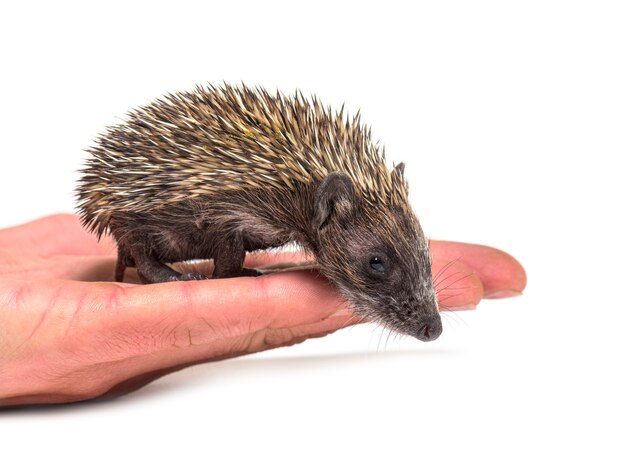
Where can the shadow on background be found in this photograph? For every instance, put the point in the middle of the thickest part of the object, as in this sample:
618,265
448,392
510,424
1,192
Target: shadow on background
248,366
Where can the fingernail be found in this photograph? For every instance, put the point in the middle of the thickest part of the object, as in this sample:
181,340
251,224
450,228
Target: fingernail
342,312
459,307
503,294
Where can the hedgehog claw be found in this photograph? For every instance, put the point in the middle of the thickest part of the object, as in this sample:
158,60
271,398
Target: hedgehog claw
250,272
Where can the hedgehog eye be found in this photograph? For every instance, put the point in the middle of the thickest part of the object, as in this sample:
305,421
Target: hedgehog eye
377,265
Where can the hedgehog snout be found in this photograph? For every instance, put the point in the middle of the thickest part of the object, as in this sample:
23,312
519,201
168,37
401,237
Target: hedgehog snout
425,322
428,329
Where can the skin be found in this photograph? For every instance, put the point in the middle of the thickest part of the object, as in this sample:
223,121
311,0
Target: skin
69,333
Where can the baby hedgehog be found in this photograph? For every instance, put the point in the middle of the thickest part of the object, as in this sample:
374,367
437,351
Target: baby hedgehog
216,172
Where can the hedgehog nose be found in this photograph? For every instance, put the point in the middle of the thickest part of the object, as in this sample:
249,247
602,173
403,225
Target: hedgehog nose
429,329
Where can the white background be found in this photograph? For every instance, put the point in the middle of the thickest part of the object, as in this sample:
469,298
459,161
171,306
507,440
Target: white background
511,118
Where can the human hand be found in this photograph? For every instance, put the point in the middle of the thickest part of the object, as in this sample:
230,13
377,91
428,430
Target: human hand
68,333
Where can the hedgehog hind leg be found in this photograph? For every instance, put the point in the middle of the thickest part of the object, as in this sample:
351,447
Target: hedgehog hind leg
124,259
120,268
229,260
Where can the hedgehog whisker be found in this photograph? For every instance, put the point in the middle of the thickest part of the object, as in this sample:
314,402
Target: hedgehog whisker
454,282
445,268
446,278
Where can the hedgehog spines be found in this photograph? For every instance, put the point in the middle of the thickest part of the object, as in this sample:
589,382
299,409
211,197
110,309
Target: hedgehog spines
215,139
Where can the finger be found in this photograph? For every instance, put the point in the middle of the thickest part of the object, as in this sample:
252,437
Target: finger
90,325
203,312
500,273
457,286
101,267
174,359
263,340
53,235
264,261
18,265
280,260
243,305
142,319
455,282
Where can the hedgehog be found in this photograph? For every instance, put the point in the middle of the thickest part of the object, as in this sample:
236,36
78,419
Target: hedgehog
219,171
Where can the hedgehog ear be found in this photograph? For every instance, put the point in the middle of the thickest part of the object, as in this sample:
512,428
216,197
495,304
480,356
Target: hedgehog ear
399,169
397,177
335,200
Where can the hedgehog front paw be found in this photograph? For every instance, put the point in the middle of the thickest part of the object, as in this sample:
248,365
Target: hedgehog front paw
191,277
